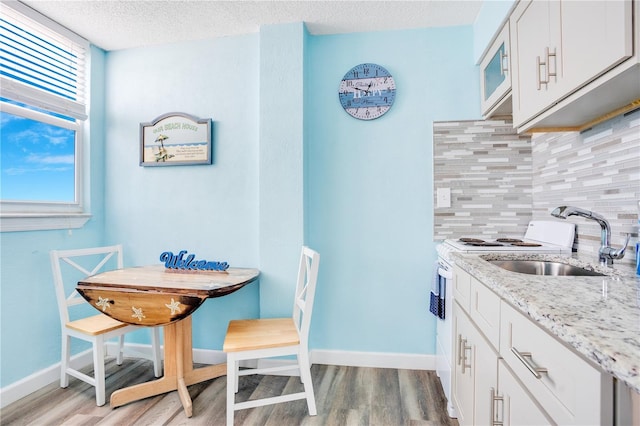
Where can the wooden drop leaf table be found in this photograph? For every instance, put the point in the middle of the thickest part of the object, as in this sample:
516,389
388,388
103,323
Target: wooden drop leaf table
157,296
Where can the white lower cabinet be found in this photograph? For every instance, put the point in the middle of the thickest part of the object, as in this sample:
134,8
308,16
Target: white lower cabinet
476,371
512,404
569,388
509,371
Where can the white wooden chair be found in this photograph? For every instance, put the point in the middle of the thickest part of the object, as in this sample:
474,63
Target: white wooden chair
254,339
96,329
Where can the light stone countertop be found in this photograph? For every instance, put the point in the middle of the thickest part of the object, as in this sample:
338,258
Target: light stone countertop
599,317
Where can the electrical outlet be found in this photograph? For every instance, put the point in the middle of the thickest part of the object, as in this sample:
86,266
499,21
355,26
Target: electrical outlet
443,197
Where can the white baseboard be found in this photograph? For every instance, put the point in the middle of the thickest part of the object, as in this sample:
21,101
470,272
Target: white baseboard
23,387
374,359
39,379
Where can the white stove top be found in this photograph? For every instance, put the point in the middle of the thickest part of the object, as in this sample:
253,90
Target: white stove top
532,246
541,237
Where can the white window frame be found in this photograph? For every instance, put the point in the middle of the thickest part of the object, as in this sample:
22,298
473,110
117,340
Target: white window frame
36,215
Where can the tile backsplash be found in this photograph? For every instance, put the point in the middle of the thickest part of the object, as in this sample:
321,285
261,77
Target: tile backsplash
488,168
598,170
500,181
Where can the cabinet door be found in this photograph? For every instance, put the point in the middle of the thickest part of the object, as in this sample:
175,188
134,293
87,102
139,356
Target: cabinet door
596,36
485,366
476,372
536,57
495,69
463,382
514,405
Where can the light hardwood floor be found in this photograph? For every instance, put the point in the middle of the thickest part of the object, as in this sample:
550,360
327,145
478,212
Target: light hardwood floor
344,396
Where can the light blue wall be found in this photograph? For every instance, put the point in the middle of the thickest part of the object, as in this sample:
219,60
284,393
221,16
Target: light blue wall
290,170
369,185
208,210
281,208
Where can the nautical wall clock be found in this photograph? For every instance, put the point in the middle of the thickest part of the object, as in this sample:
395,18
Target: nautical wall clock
367,91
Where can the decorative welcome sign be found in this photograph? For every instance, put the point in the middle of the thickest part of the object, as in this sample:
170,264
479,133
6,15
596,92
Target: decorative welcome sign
179,261
175,139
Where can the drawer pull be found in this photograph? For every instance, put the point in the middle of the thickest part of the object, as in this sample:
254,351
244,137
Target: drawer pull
525,358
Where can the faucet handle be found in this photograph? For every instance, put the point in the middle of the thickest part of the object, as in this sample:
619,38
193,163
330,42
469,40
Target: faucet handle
611,253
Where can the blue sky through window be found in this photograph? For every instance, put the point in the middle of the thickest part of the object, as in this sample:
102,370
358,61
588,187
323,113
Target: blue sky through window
37,160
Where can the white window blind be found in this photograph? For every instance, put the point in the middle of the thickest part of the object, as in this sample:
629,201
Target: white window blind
41,63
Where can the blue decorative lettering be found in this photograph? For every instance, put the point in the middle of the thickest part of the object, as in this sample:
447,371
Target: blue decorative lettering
178,261
166,258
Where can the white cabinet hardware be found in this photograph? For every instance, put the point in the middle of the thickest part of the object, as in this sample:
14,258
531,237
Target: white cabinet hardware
525,358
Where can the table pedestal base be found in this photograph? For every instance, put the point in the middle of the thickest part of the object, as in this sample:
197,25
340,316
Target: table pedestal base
178,370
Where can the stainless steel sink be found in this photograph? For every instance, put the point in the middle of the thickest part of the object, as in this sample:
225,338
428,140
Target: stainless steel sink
540,267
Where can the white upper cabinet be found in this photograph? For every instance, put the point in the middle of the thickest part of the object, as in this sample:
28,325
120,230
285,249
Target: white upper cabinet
495,80
596,36
536,52
562,53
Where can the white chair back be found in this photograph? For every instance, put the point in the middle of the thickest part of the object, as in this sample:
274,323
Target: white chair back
305,292
259,339
89,261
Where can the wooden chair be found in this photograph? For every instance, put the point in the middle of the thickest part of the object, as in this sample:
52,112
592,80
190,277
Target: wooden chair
96,329
254,339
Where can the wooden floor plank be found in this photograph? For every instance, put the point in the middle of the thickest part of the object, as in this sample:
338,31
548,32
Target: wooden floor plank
345,396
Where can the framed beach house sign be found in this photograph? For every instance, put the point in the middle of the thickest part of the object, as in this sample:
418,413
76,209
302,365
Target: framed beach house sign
175,139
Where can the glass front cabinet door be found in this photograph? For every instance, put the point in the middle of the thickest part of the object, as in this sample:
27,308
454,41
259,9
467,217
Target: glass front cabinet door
495,77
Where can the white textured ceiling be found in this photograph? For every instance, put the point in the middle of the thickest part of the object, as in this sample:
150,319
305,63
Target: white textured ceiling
123,24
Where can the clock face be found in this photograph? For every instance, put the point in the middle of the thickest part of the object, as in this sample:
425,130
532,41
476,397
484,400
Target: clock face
367,91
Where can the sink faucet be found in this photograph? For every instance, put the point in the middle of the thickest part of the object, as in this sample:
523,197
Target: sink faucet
606,252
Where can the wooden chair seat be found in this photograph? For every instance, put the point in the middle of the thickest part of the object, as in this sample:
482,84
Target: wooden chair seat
248,335
95,325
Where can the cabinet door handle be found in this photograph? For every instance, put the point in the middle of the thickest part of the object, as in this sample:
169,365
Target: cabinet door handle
460,349
539,65
465,348
550,55
525,358
504,63
493,413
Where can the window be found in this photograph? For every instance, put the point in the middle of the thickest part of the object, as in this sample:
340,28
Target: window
43,117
